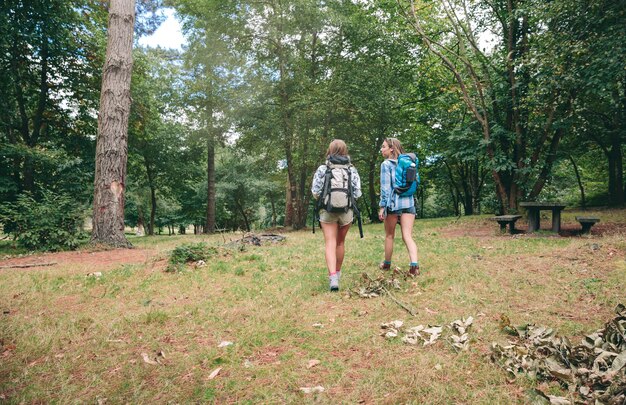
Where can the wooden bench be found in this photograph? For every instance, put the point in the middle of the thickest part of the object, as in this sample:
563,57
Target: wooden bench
503,220
587,223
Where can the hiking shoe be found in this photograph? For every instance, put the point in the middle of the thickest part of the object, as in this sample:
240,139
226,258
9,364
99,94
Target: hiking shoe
384,266
334,282
414,271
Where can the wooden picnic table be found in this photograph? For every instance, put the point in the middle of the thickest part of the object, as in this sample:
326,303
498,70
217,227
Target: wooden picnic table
534,208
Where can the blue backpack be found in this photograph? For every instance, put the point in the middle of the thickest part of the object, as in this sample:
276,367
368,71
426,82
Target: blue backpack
407,177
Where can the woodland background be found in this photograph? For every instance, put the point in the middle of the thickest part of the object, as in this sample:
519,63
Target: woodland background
503,100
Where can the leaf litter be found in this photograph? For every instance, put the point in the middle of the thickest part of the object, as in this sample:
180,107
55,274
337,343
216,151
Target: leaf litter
381,286
456,333
593,372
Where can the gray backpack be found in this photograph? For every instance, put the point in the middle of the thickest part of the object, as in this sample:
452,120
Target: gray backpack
337,191
337,194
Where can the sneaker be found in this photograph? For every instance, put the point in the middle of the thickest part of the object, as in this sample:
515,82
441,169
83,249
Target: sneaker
414,271
334,282
384,266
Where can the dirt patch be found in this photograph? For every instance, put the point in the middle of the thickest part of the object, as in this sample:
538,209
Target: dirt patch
268,355
80,260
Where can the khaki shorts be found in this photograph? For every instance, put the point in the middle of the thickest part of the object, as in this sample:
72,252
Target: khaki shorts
341,218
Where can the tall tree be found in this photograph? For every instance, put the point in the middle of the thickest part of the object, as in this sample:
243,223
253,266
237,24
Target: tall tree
523,117
49,62
213,28
587,40
111,147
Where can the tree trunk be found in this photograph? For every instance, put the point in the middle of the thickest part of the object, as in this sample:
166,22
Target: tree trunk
140,222
153,204
273,203
616,173
210,171
112,142
580,183
547,166
243,215
371,179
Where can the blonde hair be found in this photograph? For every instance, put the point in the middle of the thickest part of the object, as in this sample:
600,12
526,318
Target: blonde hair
395,145
338,148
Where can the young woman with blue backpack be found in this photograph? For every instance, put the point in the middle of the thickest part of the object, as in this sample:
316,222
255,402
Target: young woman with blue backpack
398,182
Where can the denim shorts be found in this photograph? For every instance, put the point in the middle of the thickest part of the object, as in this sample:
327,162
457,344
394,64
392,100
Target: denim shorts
410,210
341,218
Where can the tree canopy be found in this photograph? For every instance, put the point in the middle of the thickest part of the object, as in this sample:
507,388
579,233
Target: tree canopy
503,100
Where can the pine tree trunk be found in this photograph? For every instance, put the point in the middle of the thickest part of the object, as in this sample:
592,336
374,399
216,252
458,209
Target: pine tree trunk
210,206
112,142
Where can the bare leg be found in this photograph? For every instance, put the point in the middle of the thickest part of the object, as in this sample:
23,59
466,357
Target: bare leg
341,247
390,232
330,238
406,225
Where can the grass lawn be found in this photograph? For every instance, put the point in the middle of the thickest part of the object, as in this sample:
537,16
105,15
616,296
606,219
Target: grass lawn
138,334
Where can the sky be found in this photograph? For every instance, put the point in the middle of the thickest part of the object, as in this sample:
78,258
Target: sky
168,35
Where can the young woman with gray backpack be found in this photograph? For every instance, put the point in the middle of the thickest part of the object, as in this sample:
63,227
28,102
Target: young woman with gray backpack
336,186
399,179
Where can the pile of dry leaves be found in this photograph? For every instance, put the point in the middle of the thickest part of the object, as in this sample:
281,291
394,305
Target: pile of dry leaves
594,371
456,333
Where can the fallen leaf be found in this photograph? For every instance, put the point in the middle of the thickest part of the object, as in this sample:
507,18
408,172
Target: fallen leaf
313,363
214,373
558,400
397,324
392,333
160,355
148,360
312,390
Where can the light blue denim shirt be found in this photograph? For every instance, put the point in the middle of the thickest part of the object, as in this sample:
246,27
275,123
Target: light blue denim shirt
388,198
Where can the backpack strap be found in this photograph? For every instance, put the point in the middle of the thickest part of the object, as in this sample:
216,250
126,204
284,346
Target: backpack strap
394,164
353,204
325,190
319,203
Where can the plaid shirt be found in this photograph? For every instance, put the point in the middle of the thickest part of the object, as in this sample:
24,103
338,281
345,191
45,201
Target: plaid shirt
388,198
318,181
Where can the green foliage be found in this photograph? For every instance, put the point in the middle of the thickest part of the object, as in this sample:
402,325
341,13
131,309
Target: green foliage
50,224
187,253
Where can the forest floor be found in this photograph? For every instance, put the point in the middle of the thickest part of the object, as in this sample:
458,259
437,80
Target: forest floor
258,324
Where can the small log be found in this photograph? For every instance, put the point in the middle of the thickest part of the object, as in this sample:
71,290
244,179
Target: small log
23,266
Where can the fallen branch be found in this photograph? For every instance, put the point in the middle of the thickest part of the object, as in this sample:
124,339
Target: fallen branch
23,266
397,301
382,287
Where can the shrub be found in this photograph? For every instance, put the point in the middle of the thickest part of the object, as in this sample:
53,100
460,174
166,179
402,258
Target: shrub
188,253
51,224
